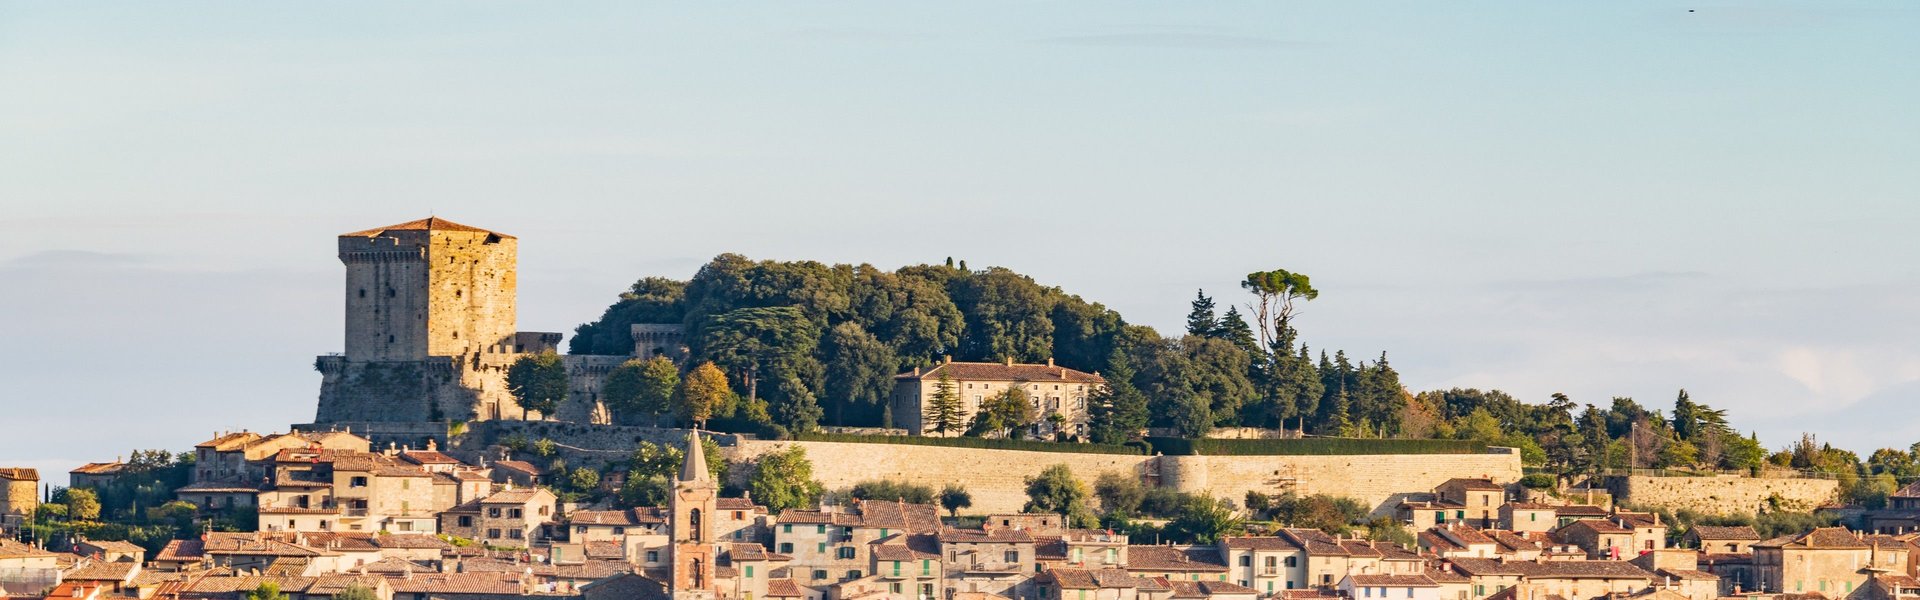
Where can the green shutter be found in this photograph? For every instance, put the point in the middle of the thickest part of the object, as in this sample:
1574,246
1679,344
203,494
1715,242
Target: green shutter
749,571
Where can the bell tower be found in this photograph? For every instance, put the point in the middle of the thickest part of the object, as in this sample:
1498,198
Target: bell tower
692,504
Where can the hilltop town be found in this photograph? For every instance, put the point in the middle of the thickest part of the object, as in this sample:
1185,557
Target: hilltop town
811,432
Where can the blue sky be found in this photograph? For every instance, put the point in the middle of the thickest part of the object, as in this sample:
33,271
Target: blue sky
1593,198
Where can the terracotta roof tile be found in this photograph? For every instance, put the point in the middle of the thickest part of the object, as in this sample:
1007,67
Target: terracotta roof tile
1393,581
1735,532
973,371
1175,559
427,224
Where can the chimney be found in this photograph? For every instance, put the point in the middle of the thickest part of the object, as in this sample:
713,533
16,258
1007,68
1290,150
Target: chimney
916,371
946,359
1049,361
1008,359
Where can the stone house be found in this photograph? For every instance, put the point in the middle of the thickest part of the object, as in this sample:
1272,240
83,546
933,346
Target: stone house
508,518
1602,539
1457,541
740,520
1711,539
1481,499
1527,516
1271,564
998,561
1829,560
1648,533
19,496
754,568
96,474
908,566
1080,548
1086,584
1052,389
1390,587
831,544
1189,563
517,473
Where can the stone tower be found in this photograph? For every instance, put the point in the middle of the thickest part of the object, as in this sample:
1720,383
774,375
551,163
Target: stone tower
692,504
429,326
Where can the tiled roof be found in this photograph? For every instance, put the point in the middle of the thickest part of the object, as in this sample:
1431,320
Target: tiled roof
428,457
1529,506
1580,510
1175,558
627,586
100,468
1393,581
103,571
606,549
181,551
915,518
1596,525
1512,541
1689,574
976,536
783,588
737,504
229,441
117,546
458,583
1090,579
427,224
10,548
395,564
1259,543
1315,541
1735,532
1583,569
973,371
755,552
521,466
1473,483
418,541
19,474
1828,537
602,517
1208,589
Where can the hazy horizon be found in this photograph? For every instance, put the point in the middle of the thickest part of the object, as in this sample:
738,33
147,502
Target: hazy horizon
1600,200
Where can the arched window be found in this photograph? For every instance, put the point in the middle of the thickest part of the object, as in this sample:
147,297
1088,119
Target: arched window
693,525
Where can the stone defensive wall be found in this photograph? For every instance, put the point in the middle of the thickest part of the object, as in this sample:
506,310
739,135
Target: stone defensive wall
997,478
1722,494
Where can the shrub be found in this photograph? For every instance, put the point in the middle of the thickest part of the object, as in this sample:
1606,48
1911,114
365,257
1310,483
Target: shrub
1538,481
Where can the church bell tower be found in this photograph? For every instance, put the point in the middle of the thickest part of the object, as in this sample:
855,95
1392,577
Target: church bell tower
692,504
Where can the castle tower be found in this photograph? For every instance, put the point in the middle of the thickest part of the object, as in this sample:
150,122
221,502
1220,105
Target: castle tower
430,325
424,288
692,504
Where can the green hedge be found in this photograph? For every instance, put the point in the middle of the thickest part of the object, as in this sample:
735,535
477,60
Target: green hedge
970,442
1182,446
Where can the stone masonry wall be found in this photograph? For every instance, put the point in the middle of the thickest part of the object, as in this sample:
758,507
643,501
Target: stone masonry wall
997,478
1724,494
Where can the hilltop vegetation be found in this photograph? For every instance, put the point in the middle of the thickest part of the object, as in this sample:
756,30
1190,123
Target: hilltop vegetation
819,344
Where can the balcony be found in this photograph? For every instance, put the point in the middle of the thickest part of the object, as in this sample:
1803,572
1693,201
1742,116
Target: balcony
354,512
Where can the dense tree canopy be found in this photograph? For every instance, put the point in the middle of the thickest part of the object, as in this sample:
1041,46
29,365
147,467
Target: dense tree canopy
809,343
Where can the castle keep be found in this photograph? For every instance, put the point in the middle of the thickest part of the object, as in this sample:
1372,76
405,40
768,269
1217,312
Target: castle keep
430,327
